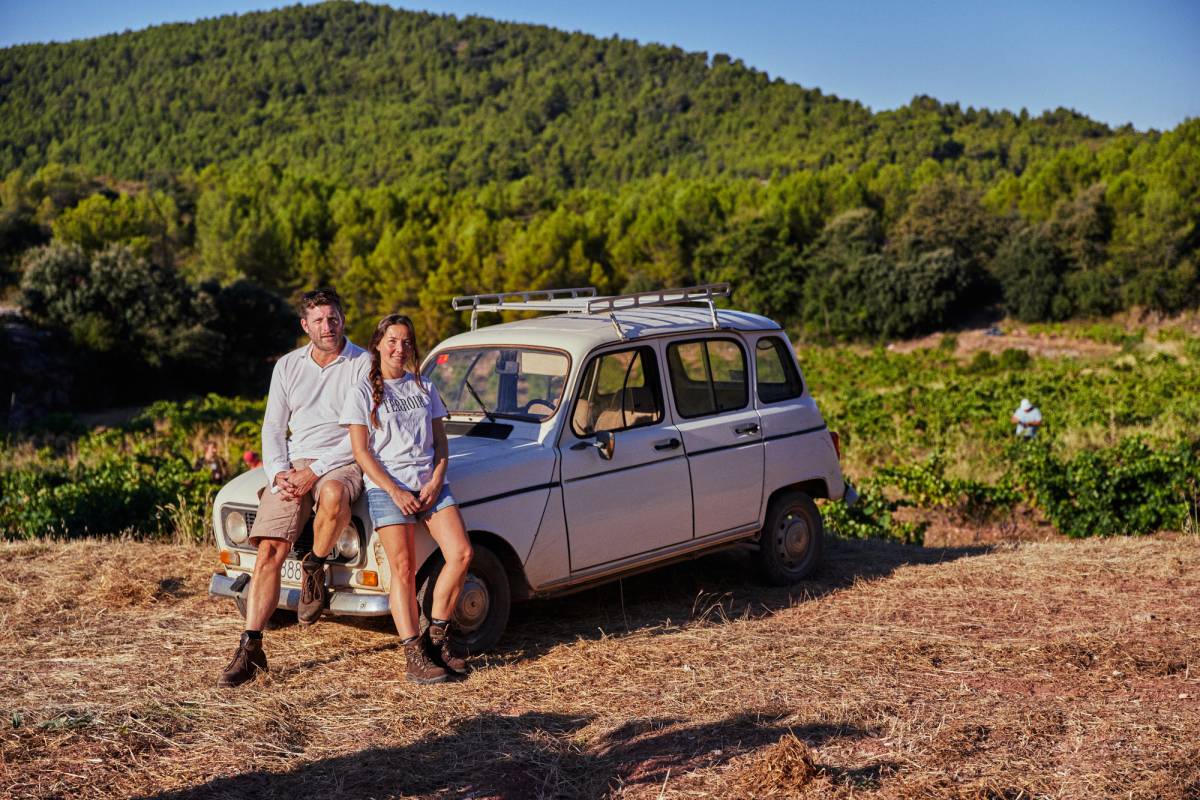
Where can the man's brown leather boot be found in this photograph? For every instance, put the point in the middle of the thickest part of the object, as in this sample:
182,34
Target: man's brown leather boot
248,661
312,590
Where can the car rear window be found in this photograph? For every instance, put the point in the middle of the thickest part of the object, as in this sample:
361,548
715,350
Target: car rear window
777,378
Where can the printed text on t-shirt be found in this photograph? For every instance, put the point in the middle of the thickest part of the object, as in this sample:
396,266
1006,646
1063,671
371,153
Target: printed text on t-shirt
411,403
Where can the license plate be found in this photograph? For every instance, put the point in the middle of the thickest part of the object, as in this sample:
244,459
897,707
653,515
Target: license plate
290,571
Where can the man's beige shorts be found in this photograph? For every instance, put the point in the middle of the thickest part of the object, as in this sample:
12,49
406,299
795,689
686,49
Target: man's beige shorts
278,518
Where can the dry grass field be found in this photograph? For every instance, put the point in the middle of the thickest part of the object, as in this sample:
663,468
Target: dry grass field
1052,669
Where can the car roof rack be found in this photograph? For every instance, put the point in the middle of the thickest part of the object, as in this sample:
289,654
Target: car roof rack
584,301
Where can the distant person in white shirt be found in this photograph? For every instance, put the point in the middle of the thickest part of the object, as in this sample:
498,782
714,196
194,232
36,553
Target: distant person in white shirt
314,467
1027,418
395,421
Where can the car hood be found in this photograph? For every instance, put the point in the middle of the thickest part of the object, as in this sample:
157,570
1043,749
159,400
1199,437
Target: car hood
479,468
243,489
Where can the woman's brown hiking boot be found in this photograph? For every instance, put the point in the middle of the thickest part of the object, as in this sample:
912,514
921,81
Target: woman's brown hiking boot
248,661
438,638
419,668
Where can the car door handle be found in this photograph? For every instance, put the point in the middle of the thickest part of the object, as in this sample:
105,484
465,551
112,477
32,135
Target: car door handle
667,444
742,430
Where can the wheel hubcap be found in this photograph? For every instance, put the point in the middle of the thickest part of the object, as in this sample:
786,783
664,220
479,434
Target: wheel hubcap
793,538
473,604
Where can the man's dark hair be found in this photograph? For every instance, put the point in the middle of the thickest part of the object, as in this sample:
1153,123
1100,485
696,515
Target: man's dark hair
319,297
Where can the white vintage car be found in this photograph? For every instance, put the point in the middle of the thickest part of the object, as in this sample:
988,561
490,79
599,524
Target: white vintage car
615,436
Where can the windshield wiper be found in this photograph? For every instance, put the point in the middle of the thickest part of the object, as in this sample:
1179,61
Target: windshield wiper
491,417
515,415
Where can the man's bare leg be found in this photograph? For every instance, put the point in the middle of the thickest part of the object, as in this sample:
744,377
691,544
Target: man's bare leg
333,514
264,585
249,659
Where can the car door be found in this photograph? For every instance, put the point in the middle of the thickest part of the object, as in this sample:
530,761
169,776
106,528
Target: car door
640,500
722,433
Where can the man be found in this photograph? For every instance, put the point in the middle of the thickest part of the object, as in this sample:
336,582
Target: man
1027,418
314,468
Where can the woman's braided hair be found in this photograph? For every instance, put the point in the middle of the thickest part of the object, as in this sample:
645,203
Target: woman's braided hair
376,373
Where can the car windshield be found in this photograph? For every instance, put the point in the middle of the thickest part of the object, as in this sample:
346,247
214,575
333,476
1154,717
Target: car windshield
500,382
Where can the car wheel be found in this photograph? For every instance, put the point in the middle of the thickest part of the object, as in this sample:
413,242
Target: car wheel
792,540
483,605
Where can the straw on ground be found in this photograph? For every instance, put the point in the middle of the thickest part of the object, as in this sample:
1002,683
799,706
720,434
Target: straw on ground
1063,669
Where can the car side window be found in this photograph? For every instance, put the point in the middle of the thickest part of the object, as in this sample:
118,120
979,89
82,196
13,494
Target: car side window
777,376
708,376
618,390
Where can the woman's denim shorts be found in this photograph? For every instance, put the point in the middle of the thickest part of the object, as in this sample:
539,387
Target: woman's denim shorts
385,512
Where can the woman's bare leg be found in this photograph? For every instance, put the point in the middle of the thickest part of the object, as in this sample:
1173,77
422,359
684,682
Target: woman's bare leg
400,549
447,529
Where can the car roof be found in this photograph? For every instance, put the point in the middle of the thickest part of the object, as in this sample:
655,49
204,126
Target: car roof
580,333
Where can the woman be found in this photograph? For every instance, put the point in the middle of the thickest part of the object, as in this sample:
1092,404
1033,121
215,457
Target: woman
395,420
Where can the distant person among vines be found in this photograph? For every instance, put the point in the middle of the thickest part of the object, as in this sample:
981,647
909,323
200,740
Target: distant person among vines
211,460
395,418
1027,418
312,470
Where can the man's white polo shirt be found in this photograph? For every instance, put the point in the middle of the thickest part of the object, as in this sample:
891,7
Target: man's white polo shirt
307,399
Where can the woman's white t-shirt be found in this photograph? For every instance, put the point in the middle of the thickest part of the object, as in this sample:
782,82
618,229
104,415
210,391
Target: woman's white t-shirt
403,442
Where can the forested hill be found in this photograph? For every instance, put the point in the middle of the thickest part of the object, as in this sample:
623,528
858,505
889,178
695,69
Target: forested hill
368,94
162,189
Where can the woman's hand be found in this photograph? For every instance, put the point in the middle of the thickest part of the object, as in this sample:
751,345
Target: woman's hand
429,493
405,500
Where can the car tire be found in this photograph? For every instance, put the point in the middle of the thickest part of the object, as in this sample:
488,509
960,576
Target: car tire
483,606
792,540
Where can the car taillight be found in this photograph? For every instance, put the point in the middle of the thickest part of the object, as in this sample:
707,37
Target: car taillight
837,443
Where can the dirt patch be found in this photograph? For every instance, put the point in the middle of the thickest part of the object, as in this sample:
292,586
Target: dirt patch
1058,669
948,528
979,340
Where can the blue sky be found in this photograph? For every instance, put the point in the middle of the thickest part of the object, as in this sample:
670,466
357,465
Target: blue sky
1117,62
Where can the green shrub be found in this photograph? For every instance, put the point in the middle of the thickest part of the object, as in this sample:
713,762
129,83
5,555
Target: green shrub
138,478
1133,487
1014,359
983,361
926,485
119,312
871,518
1107,333
1030,268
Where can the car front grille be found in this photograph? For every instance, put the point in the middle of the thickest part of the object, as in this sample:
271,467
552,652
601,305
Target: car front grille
304,542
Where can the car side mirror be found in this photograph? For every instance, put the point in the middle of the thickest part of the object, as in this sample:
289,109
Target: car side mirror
606,444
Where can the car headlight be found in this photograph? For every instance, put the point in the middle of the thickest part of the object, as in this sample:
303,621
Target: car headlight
347,543
235,527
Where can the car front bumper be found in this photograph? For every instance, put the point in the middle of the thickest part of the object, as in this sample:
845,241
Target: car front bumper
341,603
